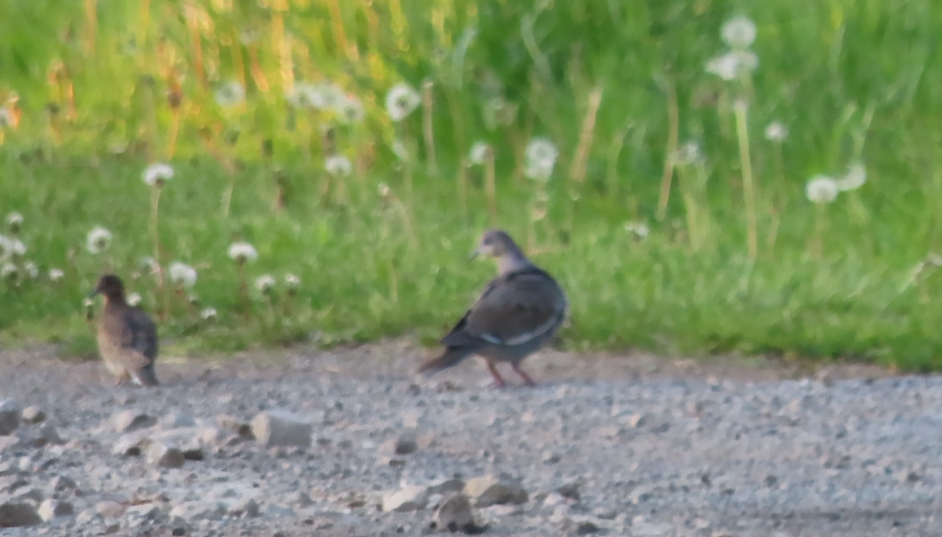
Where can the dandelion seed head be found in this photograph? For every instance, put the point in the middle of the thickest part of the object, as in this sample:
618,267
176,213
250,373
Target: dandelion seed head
687,154
478,153
821,189
88,304
9,271
31,269
15,247
230,94
383,190
148,264
732,65
855,177
241,252
399,149
182,274
134,299
350,110
14,221
292,281
98,240
541,157
776,132
158,174
265,283
209,314
638,229
338,166
739,32
56,274
401,100
740,105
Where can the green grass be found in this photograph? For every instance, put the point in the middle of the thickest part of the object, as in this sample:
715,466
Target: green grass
852,80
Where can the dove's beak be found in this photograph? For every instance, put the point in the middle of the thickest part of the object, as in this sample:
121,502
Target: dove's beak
94,293
474,254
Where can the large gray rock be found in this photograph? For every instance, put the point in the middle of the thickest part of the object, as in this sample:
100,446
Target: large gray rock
164,455
16,514
10,414
491,490
199,510
276,428
33,415
411,498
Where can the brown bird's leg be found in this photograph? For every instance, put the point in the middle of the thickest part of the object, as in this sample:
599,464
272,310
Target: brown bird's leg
499,381
526,378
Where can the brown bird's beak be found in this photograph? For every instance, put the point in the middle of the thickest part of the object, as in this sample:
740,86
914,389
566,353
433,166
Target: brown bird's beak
94,293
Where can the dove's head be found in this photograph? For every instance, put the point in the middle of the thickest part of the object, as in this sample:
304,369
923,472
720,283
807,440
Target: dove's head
496,243
111,286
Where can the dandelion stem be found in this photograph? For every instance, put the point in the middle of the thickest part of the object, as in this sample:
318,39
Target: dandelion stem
742,131
227,196
690,203
673,127
427,128
91,21
174,131
578,169
819,224
155,232
243,289
489,185
197,49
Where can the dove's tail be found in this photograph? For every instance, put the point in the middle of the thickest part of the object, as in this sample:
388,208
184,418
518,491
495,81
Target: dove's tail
451,357
146,376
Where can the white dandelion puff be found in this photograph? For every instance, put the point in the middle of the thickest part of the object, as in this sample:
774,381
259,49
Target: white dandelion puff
821,189
748,60
855,177
209,314
6,118
88,304
14,221
541,157
292,282
732,65
399,149
158,174
8,270
56,274
134,299
265,283
241,252
739,32
15,247
98,240
230,94
401,100
383,190
182,274
478,153
638,229
338,166
31,269
776,132
687,154
350,110
149,264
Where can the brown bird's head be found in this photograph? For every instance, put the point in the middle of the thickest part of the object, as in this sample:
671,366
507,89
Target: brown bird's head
111,287
496,243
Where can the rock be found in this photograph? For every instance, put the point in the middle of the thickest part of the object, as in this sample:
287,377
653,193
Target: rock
49,435
411,498
199,510
109,509
50,509
454,514
239,427
281,428
582,526
33,415
278,511
243,507
187,440
138,515
131,445
16,514
177,420
130,420
165,455
445,486
570,489
10,413
10,483
490,490
406,443
62,483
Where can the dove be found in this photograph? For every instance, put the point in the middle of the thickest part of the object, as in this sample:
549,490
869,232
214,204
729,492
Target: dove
127,337
518,313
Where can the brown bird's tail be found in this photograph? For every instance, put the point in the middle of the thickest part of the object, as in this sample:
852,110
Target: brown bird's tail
452,356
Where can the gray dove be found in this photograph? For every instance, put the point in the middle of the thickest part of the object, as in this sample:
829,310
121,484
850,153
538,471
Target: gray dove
127,337
518,312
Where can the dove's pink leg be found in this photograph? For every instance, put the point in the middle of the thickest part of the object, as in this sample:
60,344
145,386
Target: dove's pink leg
498,380
526,378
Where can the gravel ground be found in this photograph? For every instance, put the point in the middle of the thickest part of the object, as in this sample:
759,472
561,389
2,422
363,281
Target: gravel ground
630,445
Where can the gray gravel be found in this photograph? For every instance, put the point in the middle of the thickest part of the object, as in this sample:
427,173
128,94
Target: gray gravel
632,445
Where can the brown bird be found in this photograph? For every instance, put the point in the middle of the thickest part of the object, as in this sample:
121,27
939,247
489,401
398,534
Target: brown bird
519,312
127,337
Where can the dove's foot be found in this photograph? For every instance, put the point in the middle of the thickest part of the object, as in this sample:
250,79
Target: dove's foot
499,381
523,374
